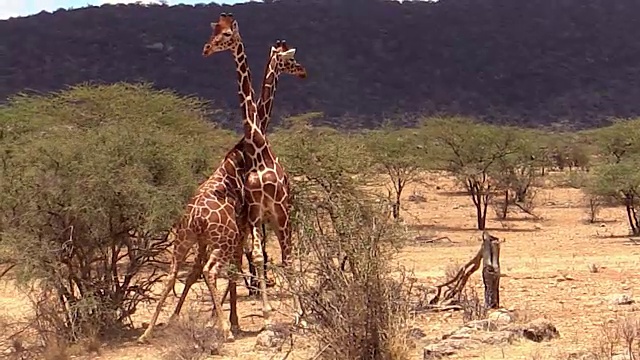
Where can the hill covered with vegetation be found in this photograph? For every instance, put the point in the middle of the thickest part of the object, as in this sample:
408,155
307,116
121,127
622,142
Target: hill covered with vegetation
523,62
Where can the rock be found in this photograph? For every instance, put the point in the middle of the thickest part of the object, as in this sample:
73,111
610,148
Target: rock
484,325
496,337
447,348
621,299
156,46
501,316
416,333
498,330
272,338
540,330
564,278
620,357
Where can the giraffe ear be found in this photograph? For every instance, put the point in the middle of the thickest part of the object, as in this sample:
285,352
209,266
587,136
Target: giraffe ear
234,26
213,25
289,54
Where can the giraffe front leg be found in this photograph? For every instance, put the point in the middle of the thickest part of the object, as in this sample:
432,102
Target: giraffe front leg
182,246
194,274
259,264
212,270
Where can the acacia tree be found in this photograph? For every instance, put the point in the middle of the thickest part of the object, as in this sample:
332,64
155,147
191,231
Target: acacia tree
517,172
621,181
471,151
320,161
567,150
398,156
617,177
91,180
334,219
320,156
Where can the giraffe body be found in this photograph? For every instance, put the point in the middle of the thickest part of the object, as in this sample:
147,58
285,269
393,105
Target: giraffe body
275,207
263,171
211,222
264,111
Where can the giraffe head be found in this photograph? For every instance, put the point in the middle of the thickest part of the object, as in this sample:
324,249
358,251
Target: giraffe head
224,36
285,60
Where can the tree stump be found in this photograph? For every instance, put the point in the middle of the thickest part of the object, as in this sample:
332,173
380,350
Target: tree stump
488,257
491,270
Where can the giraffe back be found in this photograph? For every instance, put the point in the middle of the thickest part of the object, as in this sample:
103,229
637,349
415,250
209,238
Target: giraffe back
219,198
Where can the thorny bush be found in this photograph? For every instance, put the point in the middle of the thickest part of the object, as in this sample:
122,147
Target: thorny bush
90,181
350,291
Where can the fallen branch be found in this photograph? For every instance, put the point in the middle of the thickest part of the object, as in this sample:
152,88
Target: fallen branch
425,239
527,211
455,286
5,271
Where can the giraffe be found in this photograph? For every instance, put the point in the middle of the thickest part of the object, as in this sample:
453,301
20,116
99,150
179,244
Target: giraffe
286,66
263,198
272,71
210,221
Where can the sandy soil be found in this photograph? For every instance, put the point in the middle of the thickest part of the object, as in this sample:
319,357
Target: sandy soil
534,259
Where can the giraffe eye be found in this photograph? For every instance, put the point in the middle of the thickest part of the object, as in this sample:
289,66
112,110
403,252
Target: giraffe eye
226,33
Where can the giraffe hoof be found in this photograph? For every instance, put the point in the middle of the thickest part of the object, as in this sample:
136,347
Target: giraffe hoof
300,322
235,329
143,339
270,283
230,337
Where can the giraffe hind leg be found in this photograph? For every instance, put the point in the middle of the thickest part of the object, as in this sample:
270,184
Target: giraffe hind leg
252,269
283,233
259,263
269,282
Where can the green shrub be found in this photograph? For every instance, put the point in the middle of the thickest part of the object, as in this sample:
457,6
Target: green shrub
91,179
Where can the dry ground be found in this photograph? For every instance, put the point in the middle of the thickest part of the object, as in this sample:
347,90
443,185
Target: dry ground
536,259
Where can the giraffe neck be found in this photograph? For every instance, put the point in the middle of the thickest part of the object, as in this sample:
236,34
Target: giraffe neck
252,133
268,92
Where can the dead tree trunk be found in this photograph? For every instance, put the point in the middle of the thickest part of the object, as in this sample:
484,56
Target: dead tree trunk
489,257
491,270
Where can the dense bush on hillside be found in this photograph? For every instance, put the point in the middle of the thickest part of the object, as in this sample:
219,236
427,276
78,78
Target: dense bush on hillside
522,62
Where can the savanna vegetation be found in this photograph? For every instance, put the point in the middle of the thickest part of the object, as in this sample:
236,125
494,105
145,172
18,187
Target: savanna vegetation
93,177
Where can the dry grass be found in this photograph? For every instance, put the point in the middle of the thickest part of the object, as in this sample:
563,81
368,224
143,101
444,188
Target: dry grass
546,264
193,338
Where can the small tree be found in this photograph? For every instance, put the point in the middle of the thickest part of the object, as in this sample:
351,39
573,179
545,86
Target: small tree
620,181
91,180
617,176
567,150
516,173
472,151
618,141
320,156
398,156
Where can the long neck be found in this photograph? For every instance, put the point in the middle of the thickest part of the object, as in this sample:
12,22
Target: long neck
267,93
252,131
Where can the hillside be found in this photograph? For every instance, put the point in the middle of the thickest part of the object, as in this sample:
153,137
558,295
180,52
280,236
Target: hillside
526,62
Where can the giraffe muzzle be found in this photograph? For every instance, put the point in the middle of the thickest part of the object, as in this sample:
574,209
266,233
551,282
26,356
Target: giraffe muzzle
207,50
